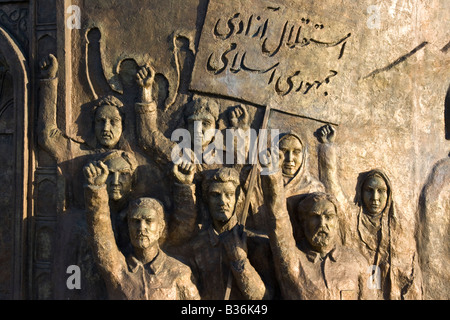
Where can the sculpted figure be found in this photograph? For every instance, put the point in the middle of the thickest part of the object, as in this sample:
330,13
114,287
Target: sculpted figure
434,225
119,184
382,240
319,267
107,118
107,125
146,273
373,227
229,260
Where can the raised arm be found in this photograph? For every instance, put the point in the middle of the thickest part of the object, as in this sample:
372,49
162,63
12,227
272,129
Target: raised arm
282,241
247,278
151,140
50,138
109,259
328,175
184,216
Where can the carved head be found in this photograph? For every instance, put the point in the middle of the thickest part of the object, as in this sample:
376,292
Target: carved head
291,154
122,166
375,192
318,215
108,121
205,112
146,222
221,193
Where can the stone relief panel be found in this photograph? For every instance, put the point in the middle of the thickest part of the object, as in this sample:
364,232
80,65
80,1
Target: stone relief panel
235,150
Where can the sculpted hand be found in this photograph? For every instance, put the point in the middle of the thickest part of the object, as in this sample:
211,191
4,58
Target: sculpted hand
239,117
234,245
96,173
269,164
326,134
184,172
49,67
145,78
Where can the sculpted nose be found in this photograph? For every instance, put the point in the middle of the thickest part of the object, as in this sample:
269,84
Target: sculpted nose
288,156
376,195
107,126
115,178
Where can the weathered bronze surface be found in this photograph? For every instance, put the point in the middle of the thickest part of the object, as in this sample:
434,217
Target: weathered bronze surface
242,149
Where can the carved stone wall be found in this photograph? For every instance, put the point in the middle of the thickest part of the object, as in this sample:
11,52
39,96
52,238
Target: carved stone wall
377,72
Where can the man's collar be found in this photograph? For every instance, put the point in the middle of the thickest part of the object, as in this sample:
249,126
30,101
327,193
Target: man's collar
154,266
314,256
214,236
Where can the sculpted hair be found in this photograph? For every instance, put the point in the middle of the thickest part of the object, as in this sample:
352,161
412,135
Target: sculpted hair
201,105
226,175
305,204
127,156
109,101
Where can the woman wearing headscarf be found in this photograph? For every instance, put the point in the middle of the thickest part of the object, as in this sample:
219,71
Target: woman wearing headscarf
372,225
375,229
298,181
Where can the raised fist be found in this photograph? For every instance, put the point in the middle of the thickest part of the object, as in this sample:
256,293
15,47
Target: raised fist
184,173
145,76
326,134
49,67
96,173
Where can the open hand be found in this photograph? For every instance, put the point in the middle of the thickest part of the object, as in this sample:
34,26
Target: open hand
96,173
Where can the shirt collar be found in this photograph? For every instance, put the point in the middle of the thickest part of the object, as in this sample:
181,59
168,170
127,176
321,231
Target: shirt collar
334,254
154,266
214,236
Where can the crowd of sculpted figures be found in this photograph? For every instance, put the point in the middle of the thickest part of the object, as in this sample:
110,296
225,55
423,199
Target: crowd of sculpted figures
303,239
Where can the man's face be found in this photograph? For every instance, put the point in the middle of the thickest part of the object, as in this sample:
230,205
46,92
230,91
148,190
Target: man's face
320,224
108,126
374,194
201,128
120,178
222,200
144,227
291,155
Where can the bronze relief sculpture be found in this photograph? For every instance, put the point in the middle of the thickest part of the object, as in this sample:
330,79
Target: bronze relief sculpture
211,150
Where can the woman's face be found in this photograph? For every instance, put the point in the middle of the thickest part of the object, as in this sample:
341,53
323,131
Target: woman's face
291,155
375,194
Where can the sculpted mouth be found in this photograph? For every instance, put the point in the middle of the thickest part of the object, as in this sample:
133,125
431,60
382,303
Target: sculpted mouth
289,166
375,205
